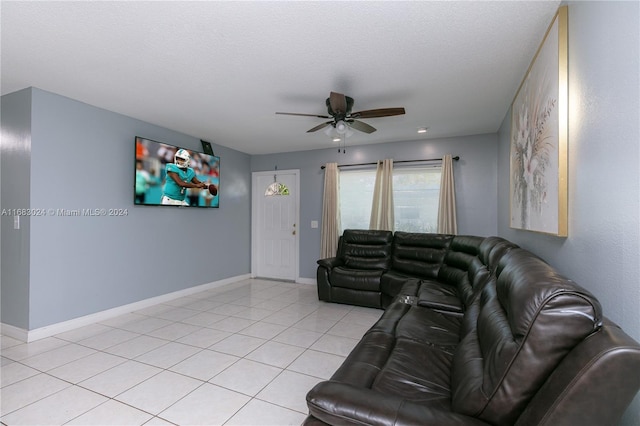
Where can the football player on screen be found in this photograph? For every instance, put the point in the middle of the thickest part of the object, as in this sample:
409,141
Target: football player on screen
180,177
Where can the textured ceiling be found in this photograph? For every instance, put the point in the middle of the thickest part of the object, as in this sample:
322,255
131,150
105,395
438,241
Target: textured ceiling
220,70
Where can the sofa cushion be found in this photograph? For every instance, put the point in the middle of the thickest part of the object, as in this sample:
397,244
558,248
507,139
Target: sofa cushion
337,403
357,279
392,283
526,324
456,263
366,360
419,255
438,296
403,376
397,373
366,249
371,299
430,328
460,278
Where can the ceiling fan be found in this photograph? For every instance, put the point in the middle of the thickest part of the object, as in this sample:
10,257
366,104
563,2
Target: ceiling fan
339,109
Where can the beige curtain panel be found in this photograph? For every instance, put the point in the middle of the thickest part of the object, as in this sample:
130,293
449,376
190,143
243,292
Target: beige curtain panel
330,231
382,209
447,223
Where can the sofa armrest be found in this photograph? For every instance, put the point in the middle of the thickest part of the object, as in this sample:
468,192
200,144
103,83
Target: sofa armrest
343,404
445,304
325,266
330,262
594,384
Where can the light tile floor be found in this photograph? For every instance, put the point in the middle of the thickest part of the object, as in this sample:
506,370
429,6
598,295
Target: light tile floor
243,354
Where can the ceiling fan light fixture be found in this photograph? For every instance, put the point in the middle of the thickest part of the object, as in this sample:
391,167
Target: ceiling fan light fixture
341,127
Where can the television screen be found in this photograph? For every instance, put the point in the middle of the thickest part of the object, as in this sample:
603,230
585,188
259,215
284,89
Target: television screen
174,176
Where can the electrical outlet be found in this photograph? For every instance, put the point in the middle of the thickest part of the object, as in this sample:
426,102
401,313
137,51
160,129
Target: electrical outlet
314,224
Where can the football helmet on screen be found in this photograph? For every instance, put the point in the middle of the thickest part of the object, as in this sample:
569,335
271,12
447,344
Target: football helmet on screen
182,158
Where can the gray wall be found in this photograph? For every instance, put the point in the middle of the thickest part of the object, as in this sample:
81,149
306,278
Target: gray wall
475,178
83,157
15,153
602,251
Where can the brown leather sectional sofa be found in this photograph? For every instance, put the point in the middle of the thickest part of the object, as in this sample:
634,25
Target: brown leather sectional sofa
476,331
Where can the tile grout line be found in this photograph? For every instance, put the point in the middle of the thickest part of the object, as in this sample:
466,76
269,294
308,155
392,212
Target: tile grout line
205,296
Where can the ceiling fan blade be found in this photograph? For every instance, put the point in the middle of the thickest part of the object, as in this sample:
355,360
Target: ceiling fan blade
362,126
380,112
303,115
338,102
319,126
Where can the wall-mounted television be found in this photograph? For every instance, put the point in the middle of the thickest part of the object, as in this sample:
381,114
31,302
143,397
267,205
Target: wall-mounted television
170,175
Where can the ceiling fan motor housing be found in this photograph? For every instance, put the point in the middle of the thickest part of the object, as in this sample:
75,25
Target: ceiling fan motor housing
343,120
342,114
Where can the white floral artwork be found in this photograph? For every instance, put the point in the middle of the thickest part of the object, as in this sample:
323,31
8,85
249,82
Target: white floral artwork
534,162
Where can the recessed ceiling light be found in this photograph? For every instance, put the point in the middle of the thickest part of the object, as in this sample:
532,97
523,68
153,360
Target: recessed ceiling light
423,129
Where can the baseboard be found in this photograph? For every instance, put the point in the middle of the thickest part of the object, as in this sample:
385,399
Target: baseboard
298,280
61,327
14,332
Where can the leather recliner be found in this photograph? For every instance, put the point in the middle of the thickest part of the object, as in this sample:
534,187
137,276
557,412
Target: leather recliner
522,346
353,276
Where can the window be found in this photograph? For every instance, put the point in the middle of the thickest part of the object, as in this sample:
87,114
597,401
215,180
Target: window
276,188
416,191
356,196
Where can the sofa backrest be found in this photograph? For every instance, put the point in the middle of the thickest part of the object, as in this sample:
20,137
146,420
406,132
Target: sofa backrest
492,249
518,330
366,249
419,255
461,264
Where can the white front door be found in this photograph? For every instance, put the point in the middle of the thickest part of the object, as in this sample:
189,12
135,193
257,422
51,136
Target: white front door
275,225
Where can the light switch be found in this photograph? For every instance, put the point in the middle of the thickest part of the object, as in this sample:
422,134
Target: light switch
16,222
314,224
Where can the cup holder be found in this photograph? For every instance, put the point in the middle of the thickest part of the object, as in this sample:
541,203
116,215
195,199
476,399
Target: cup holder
409,300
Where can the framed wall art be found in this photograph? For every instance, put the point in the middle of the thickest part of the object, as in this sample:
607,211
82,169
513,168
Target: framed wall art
538,155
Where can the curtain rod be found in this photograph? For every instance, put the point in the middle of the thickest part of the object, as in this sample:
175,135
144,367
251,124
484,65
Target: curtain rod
403,161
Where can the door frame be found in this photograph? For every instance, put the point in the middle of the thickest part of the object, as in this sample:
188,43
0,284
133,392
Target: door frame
256,196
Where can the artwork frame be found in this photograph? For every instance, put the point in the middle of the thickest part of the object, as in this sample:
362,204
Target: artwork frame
538,190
